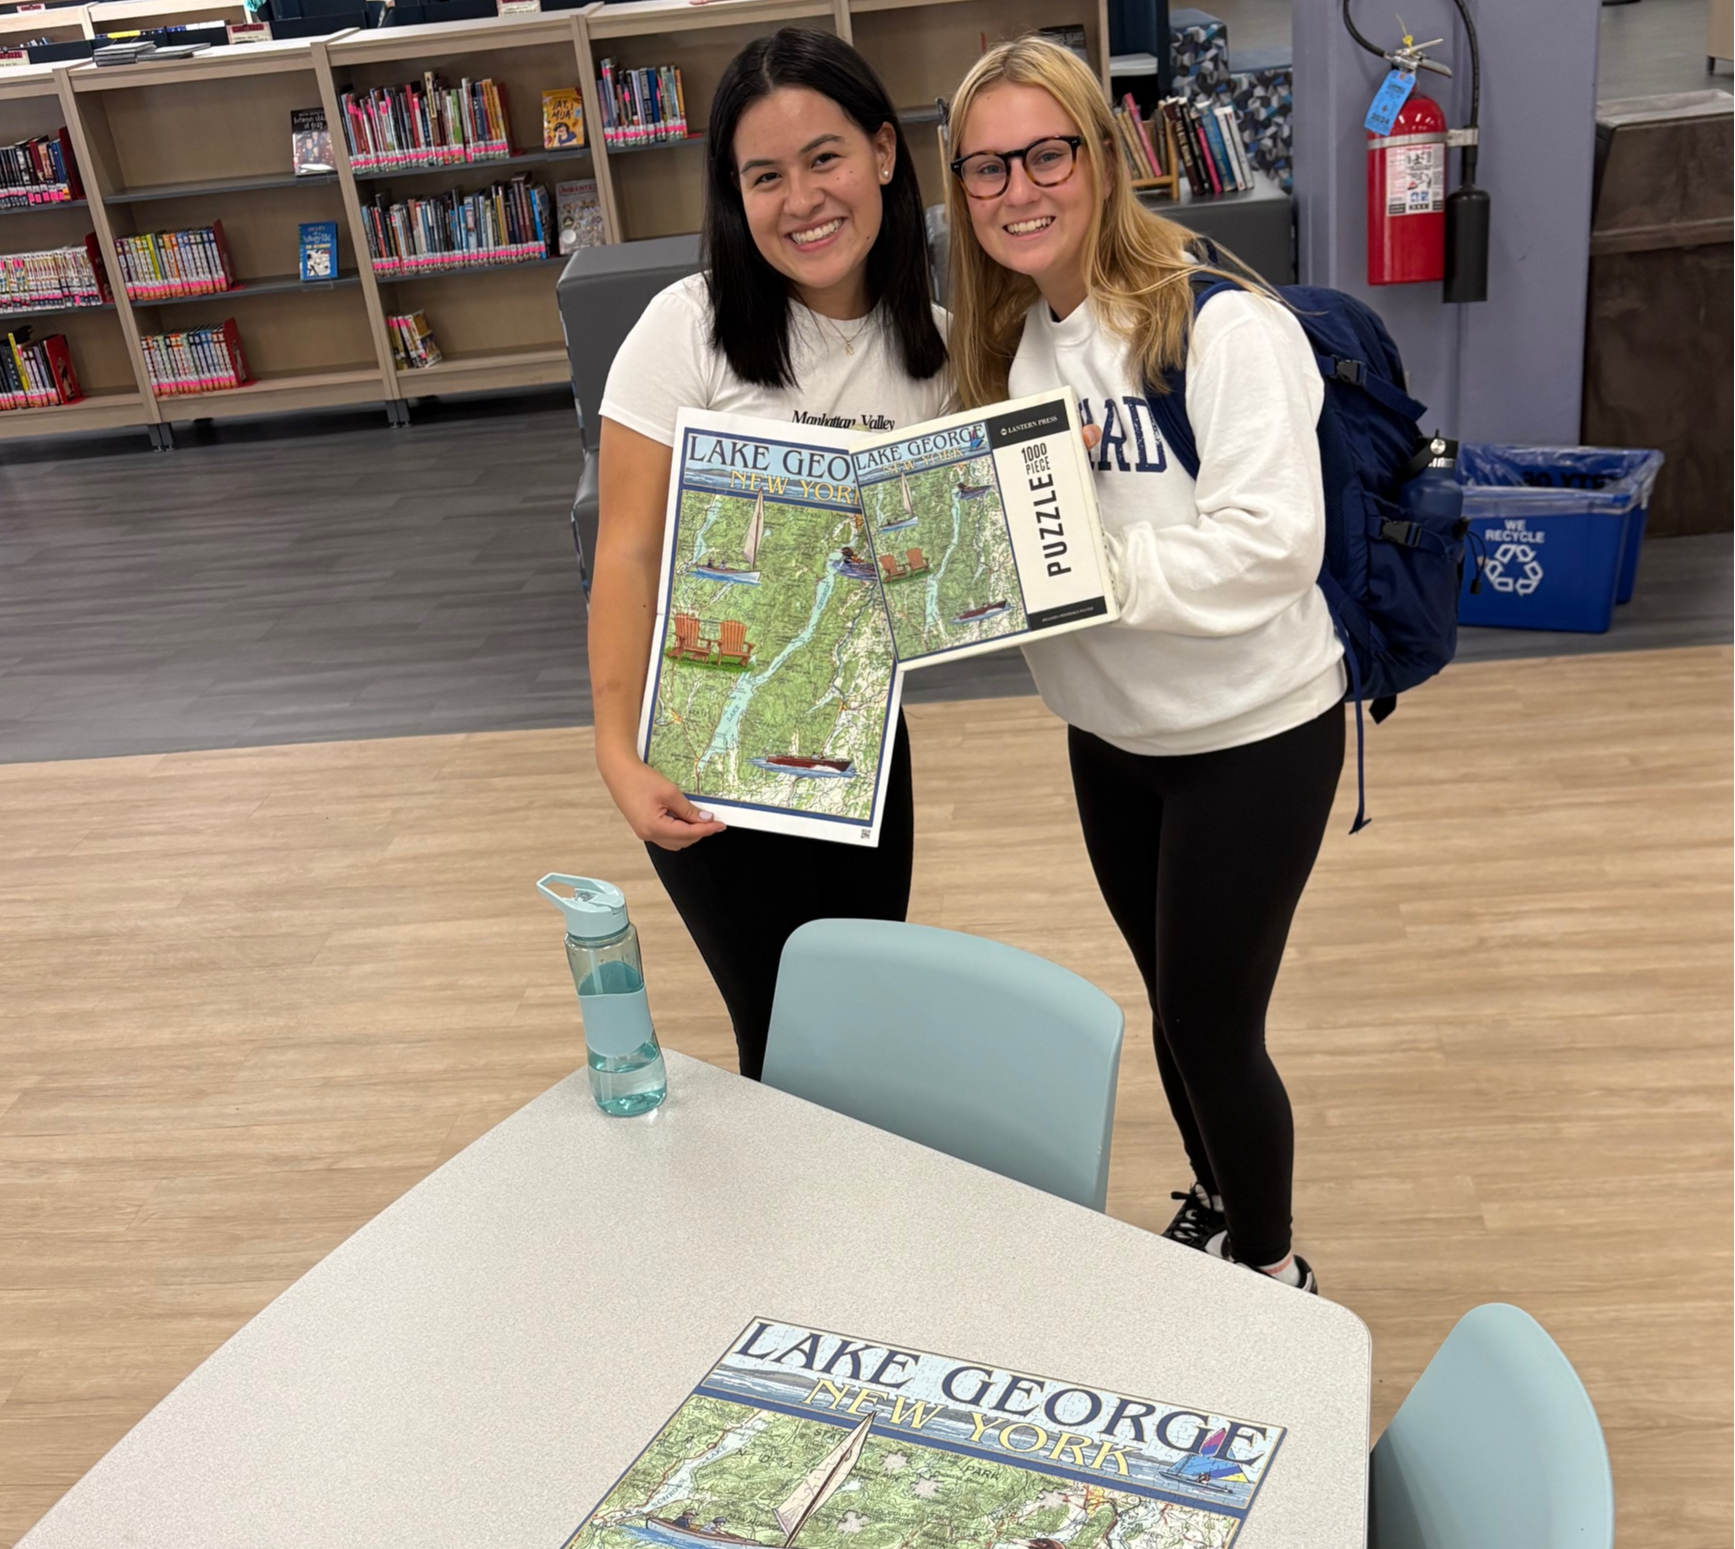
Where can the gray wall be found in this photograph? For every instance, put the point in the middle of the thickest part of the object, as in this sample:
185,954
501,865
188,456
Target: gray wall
1509,368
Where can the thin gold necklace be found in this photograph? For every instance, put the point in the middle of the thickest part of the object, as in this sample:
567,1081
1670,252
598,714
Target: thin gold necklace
847,340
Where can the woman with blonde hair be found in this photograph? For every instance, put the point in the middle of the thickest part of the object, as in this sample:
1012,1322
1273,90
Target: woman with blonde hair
1205,727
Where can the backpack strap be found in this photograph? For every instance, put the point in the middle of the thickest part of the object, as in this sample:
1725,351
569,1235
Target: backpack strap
1169,411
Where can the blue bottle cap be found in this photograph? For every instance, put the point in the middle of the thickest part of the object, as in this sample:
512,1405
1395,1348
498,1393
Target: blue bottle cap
592,910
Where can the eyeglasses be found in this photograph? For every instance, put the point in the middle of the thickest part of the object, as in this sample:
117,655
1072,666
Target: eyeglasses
1047,163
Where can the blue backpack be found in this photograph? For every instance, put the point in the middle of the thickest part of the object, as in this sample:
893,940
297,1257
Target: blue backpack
1394,550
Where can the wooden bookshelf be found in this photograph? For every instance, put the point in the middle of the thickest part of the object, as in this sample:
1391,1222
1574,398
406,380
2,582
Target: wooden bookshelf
32,103
498,326
183,143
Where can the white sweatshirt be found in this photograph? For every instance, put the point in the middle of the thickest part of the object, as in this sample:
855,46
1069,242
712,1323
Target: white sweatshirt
1224,637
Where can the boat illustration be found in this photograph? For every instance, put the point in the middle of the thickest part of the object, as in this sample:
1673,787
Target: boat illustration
853,565
807,768
1210,1468
988,610
813,1491
969,491
744,574
908,519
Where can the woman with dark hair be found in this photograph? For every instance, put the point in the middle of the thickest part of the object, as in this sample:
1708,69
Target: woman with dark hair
813,307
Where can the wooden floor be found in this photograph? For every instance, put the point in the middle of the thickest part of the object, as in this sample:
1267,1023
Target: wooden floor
250,996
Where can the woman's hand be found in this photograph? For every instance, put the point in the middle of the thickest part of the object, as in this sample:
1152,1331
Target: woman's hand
653,805
1092,438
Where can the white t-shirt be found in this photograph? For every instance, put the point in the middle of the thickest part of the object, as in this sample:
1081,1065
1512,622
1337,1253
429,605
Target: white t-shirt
1224,637
667,363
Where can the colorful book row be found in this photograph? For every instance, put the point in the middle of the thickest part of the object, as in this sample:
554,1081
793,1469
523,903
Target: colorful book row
1137,145
426,124
1212,154
642,107
38,171
162,264
196,360
508,223
53,277
37,374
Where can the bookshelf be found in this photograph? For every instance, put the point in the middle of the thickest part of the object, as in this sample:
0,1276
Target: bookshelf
150,158
185,143
31,103
497,326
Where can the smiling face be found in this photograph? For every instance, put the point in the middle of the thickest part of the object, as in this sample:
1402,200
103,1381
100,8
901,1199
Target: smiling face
1030,229
810,183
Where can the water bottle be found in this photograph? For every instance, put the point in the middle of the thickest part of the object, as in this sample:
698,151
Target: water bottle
602,950
1435,499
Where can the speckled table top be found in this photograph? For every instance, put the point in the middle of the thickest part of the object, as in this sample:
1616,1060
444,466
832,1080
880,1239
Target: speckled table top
478,1364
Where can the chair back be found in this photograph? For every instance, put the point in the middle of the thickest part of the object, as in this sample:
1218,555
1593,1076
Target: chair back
732,638
889,564
967,1045
915,558
602,293
1497,1447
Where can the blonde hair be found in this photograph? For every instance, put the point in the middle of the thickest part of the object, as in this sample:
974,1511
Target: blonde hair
1137,266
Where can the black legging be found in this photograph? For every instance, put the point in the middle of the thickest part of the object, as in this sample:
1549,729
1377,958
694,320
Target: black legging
741,893
1202,860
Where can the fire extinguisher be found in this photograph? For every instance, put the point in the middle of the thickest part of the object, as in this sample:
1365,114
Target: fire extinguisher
1407,196
1416,231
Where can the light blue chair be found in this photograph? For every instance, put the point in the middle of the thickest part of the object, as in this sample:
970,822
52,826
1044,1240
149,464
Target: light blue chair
963,1044
1497,1447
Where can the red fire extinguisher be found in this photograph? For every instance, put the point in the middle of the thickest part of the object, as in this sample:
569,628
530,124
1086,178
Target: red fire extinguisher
1407,196
1415,232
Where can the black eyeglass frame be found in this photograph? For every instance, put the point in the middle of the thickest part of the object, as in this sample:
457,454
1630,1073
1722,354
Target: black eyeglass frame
1074,142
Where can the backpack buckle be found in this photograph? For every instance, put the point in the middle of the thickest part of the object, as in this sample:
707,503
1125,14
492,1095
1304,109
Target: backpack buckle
1405,534
1351,371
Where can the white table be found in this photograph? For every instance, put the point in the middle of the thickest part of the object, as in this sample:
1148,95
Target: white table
477,1366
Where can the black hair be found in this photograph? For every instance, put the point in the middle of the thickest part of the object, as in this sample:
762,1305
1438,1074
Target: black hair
750,299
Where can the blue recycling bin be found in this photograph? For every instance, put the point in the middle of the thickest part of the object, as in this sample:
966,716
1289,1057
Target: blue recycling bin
1558,531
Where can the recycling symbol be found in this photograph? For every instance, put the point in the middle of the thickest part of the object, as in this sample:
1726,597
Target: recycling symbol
1520,556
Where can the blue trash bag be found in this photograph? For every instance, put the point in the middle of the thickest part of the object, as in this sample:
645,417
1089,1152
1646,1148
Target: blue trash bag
1558,529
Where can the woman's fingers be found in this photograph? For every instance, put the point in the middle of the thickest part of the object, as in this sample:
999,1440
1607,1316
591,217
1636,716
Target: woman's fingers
1092,436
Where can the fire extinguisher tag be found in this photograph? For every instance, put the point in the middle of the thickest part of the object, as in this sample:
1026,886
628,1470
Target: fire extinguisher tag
1389,101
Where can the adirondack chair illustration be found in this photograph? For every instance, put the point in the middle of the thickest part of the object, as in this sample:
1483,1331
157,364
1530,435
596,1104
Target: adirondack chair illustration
889,564
917,562
689,645
734,646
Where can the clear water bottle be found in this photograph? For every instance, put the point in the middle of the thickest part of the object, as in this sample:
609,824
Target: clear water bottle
602,949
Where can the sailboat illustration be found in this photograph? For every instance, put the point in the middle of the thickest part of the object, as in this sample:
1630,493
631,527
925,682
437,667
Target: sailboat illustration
908,519
1211,1467
745,574
819,1485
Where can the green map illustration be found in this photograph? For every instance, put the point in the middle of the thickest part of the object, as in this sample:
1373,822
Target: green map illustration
775,665
960,585
720,1459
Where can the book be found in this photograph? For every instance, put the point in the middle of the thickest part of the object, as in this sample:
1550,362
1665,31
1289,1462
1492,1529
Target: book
1186,147
413,345
39,171
1232,141
160,265
426,123
798,1434
1223,161
318,250
562,120
36,373
69,277
1068,37
195,360
578,213
1145,137
310,142
641,107
805,569
505,223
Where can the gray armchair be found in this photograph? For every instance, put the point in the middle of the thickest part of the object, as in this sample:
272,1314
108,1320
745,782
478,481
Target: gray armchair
602,292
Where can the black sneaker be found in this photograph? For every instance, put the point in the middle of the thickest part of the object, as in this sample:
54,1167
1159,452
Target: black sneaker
1195,1223
1218,1247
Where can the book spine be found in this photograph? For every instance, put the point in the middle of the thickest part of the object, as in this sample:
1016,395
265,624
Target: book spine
1182,132
1231,132
1219,151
